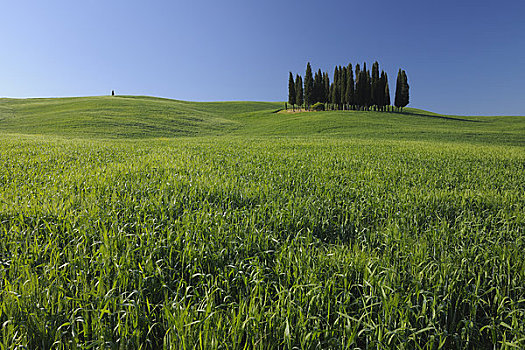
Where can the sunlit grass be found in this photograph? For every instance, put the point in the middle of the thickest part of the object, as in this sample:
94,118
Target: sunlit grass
138,117
228,242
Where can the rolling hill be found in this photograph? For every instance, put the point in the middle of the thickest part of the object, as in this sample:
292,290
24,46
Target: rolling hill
151,117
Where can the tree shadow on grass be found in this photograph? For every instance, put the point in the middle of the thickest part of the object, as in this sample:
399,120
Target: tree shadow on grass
416,114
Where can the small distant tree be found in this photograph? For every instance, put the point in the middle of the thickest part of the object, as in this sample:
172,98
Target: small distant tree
292,95
112,92
299,91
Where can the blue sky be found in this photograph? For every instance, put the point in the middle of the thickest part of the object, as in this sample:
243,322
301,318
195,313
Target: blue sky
461,57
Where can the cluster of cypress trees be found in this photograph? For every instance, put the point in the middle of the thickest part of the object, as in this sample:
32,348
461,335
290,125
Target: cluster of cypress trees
346,93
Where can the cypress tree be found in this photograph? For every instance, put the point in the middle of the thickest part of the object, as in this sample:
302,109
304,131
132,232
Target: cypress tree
397,98
331,95
334,86
401,99
405,94
358,93
386,95
336,96
350,88
318,87
362,89
321,87
326,87
299,90
292,95
342,85
375,97
308,86
380,95
366,87
349,91
315,88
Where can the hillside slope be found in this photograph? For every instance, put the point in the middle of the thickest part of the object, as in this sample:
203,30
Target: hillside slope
412,124
141,116
120,116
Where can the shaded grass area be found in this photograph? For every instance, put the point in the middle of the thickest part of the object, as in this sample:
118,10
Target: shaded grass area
233,242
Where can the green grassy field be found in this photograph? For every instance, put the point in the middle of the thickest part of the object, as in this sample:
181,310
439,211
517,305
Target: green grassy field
138,222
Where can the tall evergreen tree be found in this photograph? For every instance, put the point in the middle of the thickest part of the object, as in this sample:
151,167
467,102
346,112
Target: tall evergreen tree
299,90
331,94
380,92
318,87
402,98
308,86
399,82
336,94
342,85
406,99
358,94
326,87
398,100
315,88
367,88
292,95
386,95
362,89
349,91
375,97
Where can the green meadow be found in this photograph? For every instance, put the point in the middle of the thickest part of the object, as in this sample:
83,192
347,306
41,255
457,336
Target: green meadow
147,223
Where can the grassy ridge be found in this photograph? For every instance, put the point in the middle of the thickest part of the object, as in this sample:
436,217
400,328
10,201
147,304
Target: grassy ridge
140,117
278,234
412,125
118,117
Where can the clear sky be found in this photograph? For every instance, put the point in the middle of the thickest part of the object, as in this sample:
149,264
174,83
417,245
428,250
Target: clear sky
461,56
